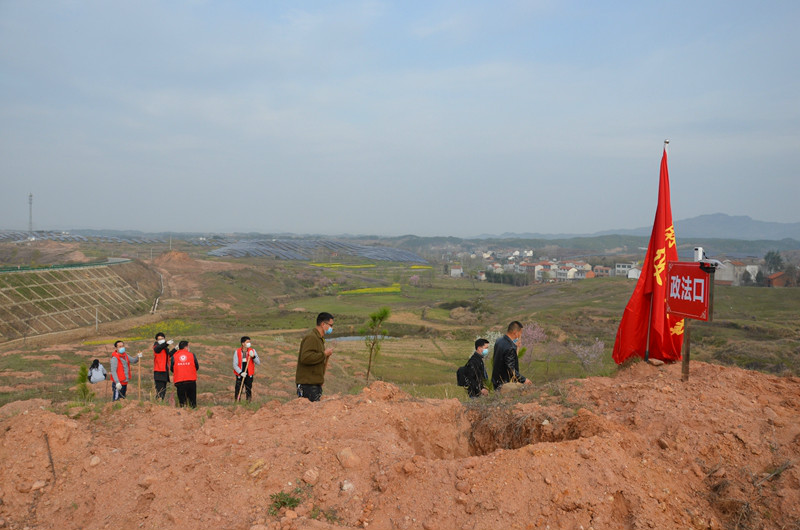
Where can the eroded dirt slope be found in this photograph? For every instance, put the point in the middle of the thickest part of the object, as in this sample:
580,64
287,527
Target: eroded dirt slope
639,450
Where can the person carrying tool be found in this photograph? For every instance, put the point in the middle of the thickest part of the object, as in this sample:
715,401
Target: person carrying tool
161,357
245,360
184,368
121,370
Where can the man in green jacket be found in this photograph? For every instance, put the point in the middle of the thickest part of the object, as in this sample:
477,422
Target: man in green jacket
313,359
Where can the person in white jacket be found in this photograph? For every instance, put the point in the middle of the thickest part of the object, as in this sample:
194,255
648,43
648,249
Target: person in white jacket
245,360
97,372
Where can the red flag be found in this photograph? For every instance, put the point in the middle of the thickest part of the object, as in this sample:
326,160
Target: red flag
647,308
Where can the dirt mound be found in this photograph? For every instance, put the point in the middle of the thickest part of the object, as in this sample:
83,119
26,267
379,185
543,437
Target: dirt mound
639,450
41,252
174,258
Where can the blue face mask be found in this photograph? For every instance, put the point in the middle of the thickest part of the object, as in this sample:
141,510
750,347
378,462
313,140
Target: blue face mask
485,352
121,350
329,331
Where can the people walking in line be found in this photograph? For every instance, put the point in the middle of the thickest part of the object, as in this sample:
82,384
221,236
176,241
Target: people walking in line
312,361
505,362
121,370
184,368
97,372
161,358
476,370
245,359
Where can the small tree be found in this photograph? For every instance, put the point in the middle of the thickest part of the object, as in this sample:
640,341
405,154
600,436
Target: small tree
791,275
773,261
82,387
374,335
588,354
747,278
532,334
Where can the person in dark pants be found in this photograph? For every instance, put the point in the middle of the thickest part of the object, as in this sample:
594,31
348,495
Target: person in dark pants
245,360
505,362
184,368
477,370
161,357
312,361
121,370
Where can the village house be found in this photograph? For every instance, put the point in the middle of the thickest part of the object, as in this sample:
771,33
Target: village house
456,271
621,269
601,271
732,272
565,273
778,279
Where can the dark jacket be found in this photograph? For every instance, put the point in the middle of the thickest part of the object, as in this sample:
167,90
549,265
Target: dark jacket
505,363
158,348
311,361
477,374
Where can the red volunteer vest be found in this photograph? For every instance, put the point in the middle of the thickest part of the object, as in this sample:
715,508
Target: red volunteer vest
184,369
251,366
160,360
121,358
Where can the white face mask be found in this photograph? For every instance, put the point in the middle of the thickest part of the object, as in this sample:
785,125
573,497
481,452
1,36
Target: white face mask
161,341
246,344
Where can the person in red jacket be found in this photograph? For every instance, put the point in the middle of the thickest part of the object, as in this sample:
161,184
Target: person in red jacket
245,360
161,356
121,370
184,368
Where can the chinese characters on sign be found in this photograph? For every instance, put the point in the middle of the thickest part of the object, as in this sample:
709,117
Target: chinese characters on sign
688,290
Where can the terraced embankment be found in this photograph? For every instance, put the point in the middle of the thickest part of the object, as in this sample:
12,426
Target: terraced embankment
39,301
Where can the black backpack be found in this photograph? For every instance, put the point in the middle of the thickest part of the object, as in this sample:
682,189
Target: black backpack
463,376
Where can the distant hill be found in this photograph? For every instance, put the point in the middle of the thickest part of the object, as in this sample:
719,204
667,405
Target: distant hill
714,226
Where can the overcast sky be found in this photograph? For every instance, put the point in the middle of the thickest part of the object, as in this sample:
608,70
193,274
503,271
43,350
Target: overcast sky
429,118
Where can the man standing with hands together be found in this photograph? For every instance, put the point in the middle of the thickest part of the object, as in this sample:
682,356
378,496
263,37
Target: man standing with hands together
312,360
161,361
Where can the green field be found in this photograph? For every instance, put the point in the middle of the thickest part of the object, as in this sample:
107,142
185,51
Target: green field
432,328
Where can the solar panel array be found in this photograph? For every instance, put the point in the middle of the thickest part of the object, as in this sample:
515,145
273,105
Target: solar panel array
9,236
287,249
304,250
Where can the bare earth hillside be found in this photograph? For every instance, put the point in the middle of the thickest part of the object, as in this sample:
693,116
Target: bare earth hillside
639,450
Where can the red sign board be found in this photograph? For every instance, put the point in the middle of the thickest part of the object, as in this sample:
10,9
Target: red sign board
688,290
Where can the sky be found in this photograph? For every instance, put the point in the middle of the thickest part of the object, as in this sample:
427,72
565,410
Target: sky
433,118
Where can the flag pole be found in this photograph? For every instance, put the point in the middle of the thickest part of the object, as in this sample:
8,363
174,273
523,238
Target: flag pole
650,316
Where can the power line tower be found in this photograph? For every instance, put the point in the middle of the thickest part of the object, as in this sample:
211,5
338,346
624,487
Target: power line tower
30,214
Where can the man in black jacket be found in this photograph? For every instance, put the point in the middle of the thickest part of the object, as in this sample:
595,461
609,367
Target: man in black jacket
505,363
161,359
476,370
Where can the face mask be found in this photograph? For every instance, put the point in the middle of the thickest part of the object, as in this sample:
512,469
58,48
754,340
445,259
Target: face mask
329,331
121,350
246,344
485,352
161,341
516,341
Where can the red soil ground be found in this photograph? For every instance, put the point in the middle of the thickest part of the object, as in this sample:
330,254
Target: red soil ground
638,450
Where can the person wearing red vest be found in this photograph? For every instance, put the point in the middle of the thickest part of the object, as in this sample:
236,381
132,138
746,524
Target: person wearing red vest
161,356
184,368
245,360
121,370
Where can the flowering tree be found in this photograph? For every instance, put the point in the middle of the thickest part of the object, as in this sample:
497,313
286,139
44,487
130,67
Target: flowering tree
588,354
414,280
532,334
